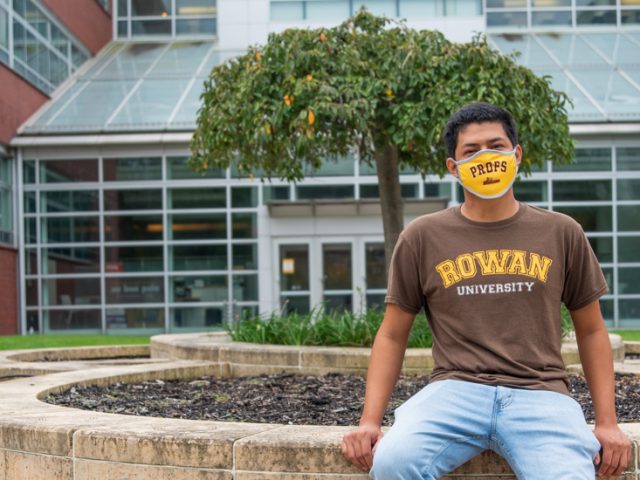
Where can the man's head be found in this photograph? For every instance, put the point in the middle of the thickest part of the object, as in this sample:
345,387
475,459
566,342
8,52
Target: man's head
477,113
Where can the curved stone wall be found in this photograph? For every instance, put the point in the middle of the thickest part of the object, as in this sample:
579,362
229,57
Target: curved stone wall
39,441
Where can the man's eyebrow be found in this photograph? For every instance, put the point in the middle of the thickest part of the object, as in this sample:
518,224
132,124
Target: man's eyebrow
493,140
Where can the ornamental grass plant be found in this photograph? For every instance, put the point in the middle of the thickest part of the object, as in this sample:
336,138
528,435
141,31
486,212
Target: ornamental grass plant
335,328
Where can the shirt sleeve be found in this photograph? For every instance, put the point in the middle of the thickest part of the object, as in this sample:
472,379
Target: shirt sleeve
584,280
403,284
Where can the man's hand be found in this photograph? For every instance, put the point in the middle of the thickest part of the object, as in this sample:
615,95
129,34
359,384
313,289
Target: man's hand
616,450
359,444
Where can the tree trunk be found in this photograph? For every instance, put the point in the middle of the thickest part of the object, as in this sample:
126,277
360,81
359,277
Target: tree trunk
390,198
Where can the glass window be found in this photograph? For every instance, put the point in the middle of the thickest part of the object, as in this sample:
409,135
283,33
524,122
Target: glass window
135,318
550,3
461,8
133,199
531,191
294,268
30,232
628,250
506,19
308,192
336,266
372,191
284,11
375,265
71,291
244,197
60,320
29,171
630,17
132,228
194,226
608,277
628,218
155,8
629,280
212,288
299,304
64,171
210,197
178,169
150,27
595,3
31,290
628,158
375,301
606,306
70,229
274,193
135,290
574,190
127,169
588,160
603,248
629,189
245,287
69,260
196,26
629,309
592,219
138,258
195,7
198,257
506,3
539,19
70,201
327,10
434,190
31,261
4,28
196,318
245,256
244,225
596,17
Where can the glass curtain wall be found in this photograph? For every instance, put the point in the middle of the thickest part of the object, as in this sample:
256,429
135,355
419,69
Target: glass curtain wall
136,245
165,18
143,244
6,200
510,14
321,10
36,46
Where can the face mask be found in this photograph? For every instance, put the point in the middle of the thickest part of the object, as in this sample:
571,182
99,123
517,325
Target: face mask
488,173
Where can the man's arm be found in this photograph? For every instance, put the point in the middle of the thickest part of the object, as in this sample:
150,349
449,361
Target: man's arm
597,362
384,367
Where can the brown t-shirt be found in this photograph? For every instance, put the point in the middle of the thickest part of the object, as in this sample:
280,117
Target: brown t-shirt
492,292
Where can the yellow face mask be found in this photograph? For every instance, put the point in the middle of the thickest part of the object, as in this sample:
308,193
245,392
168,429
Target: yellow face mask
488,173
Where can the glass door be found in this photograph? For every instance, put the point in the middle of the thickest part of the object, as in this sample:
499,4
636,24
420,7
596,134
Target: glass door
295,294
337,276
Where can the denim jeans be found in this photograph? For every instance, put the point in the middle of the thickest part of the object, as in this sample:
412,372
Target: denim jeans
541,434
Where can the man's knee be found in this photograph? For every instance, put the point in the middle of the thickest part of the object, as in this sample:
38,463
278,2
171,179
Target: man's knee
394,461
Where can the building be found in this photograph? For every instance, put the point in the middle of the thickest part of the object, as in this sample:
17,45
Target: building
118,235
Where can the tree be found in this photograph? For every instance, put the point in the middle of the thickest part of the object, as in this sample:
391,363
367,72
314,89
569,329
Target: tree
367,87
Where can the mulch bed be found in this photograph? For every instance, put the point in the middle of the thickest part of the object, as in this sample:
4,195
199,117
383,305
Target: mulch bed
333,399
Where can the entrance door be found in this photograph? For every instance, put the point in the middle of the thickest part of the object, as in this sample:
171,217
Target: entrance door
337,276
294,272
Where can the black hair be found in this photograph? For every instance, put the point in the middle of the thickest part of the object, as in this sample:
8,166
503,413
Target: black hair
478,112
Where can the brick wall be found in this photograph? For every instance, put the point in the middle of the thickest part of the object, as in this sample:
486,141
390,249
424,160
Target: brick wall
8,291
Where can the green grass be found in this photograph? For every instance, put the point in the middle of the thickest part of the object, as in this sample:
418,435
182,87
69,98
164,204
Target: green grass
630,335
16,342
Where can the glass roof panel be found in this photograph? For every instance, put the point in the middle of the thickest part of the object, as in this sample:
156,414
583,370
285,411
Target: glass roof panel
92,107
182,59
634,73
532,54
104,57
583,109
216,58
186,114
572,51
133,61
151,104
617,96
618,48
57,103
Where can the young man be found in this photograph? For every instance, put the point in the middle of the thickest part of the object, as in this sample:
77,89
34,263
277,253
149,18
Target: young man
491,275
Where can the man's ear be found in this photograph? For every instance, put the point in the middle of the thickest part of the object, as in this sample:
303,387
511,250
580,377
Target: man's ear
518,154
451,166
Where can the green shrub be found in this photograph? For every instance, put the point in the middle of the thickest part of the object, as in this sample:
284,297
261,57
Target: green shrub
342,329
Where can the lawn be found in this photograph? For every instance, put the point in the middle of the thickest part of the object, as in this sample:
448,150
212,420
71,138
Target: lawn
14,342
631,335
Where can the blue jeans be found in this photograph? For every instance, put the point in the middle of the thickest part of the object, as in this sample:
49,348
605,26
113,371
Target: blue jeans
541,434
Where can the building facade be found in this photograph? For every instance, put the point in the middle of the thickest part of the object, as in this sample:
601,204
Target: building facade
116,234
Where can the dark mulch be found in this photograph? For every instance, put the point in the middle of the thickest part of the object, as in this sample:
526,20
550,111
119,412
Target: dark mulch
292,399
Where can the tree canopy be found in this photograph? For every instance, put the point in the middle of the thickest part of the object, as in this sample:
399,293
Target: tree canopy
309,95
